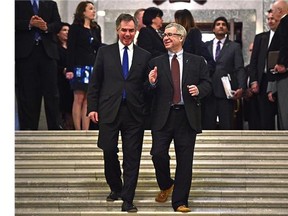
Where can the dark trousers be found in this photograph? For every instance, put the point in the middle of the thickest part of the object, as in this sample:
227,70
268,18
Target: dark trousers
178,129
221,107
36,77
132,139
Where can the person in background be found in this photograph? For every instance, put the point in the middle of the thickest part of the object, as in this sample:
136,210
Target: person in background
176,114
193,42
116,103
262,111
36,57
150,36
229,62
65,92
150,39
280,11
138,15
84,40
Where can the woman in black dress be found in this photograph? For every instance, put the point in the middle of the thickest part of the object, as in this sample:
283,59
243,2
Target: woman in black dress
83,43
65,92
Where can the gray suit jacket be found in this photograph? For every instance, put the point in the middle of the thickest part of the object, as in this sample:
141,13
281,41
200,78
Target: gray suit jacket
230,61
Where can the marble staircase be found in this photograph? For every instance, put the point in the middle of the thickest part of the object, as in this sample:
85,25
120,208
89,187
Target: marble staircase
235,173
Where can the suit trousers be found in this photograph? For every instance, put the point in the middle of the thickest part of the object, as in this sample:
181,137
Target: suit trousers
221,107
36,77
282,89
132,140
178,129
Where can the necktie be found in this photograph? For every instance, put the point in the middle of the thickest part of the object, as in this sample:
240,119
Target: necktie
176,79
35,10
125,67
218,49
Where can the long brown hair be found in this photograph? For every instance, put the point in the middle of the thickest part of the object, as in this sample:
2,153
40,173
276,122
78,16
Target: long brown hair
184,17
79,14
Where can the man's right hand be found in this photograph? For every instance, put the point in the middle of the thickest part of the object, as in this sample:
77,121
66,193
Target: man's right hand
93,116
153,75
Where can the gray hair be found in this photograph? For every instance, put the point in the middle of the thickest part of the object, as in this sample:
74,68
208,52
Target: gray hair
179,28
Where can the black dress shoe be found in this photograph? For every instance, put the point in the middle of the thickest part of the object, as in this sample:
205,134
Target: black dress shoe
129,207
113,196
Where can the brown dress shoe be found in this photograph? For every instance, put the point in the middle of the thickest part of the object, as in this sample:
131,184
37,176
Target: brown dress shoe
183,208
162,196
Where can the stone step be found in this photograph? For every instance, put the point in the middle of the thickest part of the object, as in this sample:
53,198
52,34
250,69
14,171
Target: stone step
235,173
197,164
146,205
211,212
150,173
147,192
213,183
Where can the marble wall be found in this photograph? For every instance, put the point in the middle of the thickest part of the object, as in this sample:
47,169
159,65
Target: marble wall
250,13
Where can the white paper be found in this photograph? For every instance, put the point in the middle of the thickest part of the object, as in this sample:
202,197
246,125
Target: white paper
227,87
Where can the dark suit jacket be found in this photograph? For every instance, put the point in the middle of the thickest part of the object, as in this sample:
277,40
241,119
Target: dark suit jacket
195,72
283,36
258,57
107,83
24,36
230,61
149,40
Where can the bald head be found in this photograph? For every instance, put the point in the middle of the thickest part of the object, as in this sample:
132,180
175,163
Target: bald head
279,8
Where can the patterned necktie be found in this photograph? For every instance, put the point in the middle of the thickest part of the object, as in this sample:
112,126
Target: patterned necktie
125,67
218,49
175,69
35,10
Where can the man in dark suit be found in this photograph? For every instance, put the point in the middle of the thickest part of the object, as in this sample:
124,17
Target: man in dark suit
36,57
116,102
280,11
228,62
264,111
176,114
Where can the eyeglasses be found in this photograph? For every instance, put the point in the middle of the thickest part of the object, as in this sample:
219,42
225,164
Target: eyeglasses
170,34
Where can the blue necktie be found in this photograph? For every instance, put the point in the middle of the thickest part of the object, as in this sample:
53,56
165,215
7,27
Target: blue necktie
218,49
35,10
125,67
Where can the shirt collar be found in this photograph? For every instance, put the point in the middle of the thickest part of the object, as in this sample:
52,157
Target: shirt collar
121,46
179,54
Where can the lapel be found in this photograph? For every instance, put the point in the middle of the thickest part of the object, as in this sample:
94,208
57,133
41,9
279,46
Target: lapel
134,60
265,40
210,48
167,68
41,8
186,61
117,59
225,46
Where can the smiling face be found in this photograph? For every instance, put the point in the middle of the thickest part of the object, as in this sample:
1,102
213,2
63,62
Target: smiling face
172,40
63,33
126,32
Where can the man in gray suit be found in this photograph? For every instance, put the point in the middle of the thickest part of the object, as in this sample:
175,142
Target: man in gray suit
263,111
176,114
228,62
116,102
280,11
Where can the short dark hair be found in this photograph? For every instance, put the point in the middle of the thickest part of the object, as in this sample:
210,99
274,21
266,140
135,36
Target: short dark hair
125,17
221,18
60,26
150,14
